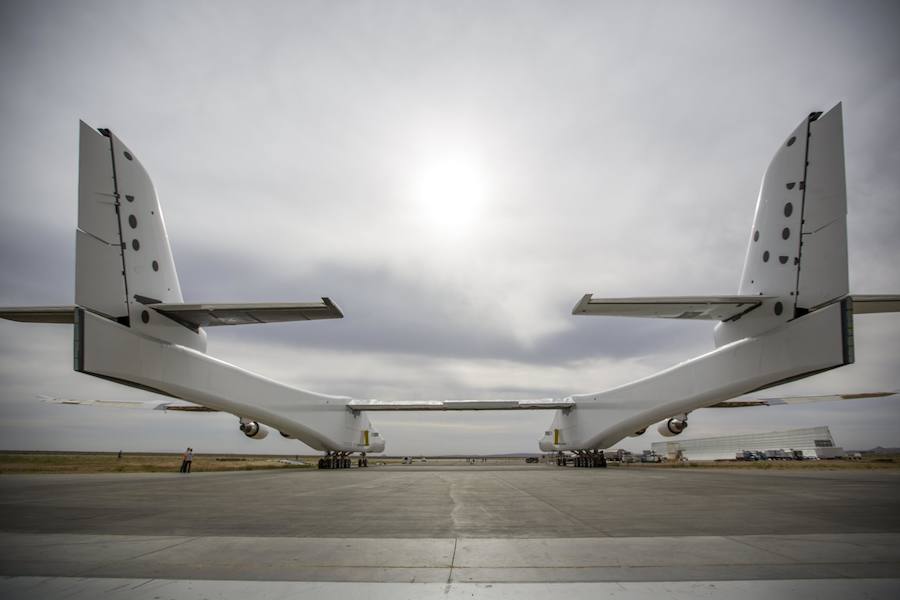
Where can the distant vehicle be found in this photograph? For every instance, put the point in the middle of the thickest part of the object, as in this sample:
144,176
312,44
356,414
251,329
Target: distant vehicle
407,460
532,459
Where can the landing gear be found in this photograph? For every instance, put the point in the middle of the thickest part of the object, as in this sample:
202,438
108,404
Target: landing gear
593,459
341,460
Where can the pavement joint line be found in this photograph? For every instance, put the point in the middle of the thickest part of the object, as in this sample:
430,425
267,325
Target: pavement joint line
452,561
755,547
131,558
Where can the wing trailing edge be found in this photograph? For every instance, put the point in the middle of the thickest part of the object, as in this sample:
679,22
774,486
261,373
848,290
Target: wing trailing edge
800,399
385,405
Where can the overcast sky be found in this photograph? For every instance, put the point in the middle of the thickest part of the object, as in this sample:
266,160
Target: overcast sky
455,176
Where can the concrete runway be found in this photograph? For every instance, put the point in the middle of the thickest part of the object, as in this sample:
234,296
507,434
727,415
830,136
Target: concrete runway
467,525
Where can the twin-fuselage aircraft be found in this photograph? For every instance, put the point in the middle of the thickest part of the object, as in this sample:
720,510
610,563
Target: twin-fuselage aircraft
791,318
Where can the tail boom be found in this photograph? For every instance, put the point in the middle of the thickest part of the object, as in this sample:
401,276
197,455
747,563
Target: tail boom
816,342
113,351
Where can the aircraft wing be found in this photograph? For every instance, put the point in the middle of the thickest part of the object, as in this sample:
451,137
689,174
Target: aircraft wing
139,404
384,405
800,399
714,308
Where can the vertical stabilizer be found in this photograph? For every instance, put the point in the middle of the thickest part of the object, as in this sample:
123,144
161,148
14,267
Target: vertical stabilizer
123,258
797,254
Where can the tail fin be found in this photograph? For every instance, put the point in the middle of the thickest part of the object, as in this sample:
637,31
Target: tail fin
797,254
123,258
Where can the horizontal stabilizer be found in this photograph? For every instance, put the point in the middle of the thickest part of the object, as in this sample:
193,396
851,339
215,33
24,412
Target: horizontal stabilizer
39,314
381,405
210,315
800,399
870,303
713,308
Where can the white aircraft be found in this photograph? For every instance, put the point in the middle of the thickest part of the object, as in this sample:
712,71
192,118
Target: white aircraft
792,316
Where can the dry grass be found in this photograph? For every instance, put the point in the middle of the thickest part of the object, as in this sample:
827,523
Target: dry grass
45,462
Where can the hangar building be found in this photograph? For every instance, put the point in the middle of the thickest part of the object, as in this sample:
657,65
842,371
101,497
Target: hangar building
808,440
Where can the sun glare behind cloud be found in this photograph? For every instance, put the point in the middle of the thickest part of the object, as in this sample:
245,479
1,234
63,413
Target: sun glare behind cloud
450,192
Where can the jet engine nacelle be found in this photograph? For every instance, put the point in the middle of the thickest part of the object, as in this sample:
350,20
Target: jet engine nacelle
254,430
672,427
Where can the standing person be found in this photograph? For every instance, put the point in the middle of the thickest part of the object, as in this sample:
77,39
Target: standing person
184,460
188,458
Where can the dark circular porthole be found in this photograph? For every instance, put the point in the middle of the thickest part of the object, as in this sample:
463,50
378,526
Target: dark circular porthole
145,316
756,235
791,141
766,256
785,233
136,245
779,308
783,259
155,266
790,185
132,220
788,209
128,155
129,198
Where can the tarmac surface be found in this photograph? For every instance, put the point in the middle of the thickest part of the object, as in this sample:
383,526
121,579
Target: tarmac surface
466,525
